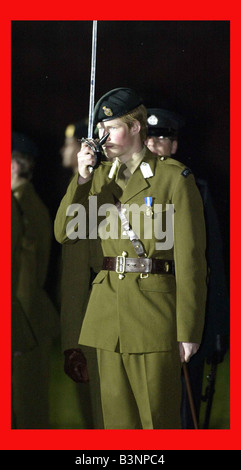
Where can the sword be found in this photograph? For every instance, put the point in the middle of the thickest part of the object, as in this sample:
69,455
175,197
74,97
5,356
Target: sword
92,80
95,146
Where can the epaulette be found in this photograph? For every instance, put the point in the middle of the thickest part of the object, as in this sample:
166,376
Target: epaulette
186,172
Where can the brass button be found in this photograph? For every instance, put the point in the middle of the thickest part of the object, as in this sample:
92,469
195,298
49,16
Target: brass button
167,266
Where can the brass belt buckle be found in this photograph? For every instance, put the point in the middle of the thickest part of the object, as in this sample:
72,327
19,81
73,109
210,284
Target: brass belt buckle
121,264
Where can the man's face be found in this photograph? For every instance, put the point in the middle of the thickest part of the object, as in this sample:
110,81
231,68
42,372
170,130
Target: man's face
14,166
120,140
69,152
161,145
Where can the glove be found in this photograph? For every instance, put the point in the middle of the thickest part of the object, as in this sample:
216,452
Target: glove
186,350
96,146
75,365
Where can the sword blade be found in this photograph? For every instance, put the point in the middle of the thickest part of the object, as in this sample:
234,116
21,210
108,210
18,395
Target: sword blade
92,80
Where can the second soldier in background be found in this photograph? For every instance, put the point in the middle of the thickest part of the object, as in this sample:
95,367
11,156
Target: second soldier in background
162,139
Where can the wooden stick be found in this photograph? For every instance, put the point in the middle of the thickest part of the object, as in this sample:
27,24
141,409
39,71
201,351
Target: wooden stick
189,391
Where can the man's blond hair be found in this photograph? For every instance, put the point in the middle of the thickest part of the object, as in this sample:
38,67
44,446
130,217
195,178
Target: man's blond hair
138,114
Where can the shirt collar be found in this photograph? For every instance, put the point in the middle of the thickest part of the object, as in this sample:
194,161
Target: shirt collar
135,161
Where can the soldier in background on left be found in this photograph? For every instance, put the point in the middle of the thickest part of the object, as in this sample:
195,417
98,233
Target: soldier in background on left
22,337
71,146
31,368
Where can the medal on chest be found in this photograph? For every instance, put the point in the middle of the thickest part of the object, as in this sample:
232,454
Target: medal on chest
148,202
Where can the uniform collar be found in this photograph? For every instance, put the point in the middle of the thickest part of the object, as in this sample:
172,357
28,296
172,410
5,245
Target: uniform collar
138,183
135,160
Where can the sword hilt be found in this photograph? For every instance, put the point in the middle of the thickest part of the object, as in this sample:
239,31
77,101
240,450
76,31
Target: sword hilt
96,147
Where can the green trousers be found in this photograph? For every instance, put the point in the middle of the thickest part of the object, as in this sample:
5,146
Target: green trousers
89,394
140,391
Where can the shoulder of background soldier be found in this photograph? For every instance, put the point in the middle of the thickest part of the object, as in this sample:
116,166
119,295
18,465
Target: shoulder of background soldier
31,203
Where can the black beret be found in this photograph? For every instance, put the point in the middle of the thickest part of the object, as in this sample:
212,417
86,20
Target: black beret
163,122
23,144
77,129
115,104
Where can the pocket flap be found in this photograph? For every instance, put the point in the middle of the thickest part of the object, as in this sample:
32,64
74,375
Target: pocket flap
100,277
158,283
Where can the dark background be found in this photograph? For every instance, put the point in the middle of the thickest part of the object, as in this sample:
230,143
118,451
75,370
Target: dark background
181,65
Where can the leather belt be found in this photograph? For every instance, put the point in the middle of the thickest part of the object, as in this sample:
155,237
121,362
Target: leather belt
121,264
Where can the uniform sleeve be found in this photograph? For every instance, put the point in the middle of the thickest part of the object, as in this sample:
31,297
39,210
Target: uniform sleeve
22,337
73,211
45,236
75,289
190,259
75,194
16,236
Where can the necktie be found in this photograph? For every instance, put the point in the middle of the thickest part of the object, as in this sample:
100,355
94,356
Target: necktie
120,177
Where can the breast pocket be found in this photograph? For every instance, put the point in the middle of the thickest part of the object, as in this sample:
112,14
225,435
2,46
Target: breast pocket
163,226
147,220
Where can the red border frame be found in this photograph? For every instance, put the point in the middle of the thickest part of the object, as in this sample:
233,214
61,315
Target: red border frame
127,439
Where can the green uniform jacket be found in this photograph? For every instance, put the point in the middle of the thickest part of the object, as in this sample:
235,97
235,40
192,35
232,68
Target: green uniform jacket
22,336
35,251
153,313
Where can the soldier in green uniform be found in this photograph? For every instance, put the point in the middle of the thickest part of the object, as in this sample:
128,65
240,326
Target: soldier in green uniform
84,258
71,146
31,369
163,128
22,336
146,310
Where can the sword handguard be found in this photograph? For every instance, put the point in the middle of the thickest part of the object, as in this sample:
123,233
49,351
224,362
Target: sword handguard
96,147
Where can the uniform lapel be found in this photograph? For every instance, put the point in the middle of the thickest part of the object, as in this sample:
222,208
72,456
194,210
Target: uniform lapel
137,182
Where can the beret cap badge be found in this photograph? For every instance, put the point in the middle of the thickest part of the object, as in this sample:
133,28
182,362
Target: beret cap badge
152,120
107,111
